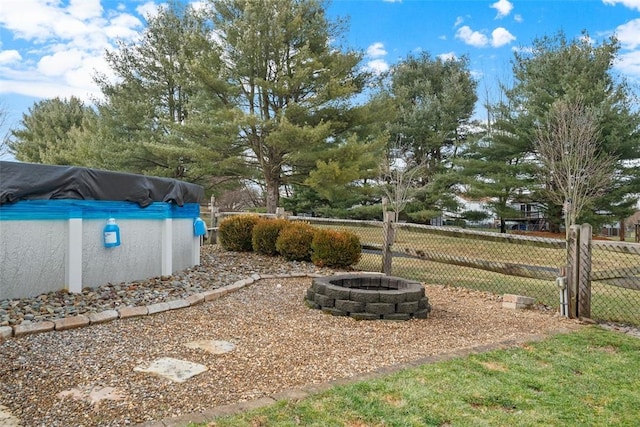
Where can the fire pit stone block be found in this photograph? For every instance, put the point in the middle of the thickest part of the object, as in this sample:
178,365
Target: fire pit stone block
368,297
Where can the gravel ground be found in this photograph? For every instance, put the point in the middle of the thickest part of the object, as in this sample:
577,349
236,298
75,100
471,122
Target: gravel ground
218,268
280,344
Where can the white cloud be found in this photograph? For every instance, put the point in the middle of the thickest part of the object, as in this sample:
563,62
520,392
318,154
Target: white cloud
148,10
449,56
85,9
32,25
60,62
476,74
376,50
470,37
631,4
377,66
123,26
46,89
500,37
629,64
10,56
67,27
629,34
66,44
504,8
459,21
518,18
522,49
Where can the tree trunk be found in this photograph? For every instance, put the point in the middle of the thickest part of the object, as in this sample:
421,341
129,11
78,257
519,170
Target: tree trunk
554,218
273,194
503,226
622,227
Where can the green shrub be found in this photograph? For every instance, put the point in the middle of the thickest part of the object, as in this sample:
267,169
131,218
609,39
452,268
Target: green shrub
366,213
423,216
294,241
332,248
328,212
235,232
265,234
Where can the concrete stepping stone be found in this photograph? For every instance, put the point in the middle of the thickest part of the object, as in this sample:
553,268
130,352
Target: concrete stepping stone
212,346
93,394
7,419
173,369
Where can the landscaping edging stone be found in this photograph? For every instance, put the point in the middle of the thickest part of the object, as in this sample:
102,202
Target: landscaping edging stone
368,296
27,328
365,307
310,390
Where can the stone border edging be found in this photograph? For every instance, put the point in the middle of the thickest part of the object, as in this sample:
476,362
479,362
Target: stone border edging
83,320
309,390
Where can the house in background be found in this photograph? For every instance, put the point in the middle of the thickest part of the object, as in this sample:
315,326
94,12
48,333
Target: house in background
527,216
468,204
631,228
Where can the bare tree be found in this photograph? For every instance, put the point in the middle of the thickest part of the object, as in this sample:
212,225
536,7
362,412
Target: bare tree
239,199
572,162
400,175
4,133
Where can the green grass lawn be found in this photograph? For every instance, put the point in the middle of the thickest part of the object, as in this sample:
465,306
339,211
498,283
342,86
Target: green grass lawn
586,378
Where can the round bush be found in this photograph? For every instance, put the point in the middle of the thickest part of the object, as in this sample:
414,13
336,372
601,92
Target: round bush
265,234
332,248
235,232
294,241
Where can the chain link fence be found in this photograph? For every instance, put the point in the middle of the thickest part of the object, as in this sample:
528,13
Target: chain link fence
504,264
615,281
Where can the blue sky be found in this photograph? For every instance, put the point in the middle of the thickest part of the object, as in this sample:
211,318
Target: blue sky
52,48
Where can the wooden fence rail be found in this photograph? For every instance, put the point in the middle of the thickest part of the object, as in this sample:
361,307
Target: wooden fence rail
578,273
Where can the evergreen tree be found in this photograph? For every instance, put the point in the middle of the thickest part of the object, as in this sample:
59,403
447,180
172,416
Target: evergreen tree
577,70
43,135
160,117
433,102
495,169
288,82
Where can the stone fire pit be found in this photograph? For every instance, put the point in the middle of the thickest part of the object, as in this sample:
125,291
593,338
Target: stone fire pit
369,297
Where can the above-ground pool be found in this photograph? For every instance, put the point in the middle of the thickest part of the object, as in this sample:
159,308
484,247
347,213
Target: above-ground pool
55,232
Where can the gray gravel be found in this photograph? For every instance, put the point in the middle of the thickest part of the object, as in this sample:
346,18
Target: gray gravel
280,344
218,268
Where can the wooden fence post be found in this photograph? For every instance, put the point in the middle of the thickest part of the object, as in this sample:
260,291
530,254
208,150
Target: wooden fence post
389,237
213,236
573,270
579,270
280,213
584,278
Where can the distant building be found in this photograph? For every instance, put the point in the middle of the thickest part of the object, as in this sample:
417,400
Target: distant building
527,216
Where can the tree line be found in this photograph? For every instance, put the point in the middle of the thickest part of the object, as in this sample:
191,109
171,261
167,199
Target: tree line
263,94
